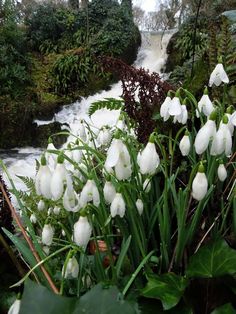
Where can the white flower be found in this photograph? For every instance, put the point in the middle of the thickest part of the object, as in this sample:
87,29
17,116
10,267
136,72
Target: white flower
71,200
50,157
81,131
41,205
218,75
183,116
56,210
76,155
205,105
104,136
82,232
109,192
164,110
175,108
139,205
72,268
118,206
59,179
118,157
47,234
147,185
185,145
204,136
222,142
43,181
222,172
89,193
121,124
148,160
229,124
15,307
199,186
233,119
33,218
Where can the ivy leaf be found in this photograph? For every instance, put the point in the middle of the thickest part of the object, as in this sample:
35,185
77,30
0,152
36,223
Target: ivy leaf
39,300
213,260
168,288
224,309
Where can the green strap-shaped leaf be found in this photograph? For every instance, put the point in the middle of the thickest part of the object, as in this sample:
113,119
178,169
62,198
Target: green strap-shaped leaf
168,288
213,260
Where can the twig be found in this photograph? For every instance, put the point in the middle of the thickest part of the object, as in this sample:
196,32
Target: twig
28,240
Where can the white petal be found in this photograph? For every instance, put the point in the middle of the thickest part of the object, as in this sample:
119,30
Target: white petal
175,108
221,172
199,186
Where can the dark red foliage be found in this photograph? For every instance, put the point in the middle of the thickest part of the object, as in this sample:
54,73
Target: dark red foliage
5,212
148,88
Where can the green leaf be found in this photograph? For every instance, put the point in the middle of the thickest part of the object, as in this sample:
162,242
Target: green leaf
168,288
224,309
231,15
100,300
213,260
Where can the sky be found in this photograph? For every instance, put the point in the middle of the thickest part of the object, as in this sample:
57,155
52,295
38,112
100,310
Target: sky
146,5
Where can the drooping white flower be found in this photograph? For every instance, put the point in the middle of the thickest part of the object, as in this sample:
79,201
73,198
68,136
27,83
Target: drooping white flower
185,145
76,154
43,179
233,118
118,157
218,76
81,131
82,232
183,116
33,218
50,157
71,200
60,179
205,105
164,110
15,307
204,135
148,159
56,210
104,136
139,205
222,141
229,124
109,192
41,205
72,268
47,234
175,108
89,193
200,184
118,206
222,172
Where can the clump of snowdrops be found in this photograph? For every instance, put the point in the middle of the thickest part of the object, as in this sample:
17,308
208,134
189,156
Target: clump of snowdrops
107,208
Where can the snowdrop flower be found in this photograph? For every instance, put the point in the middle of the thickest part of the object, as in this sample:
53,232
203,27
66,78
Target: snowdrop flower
121,124
89,194
200,184
56,210
175,108
43,179
233,119
72,268
222,172
185,144
15,307
41,205
118,206
164,110
33,218
205,105
222,142
229,124
205,134
109,192
60,178
104,136
139,205
218,75
118,157
147,185
50,157
183,116
47,234
71,200
148,159
81,131
82,232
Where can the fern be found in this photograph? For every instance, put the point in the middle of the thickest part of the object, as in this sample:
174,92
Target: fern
109,103
29,183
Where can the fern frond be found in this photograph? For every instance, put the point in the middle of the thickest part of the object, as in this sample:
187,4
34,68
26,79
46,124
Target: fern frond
29,183
108,103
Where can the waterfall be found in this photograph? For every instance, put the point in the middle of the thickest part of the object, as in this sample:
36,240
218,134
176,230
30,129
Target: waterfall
152,56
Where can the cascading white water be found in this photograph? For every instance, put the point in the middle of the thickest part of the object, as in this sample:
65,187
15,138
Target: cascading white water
152,55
